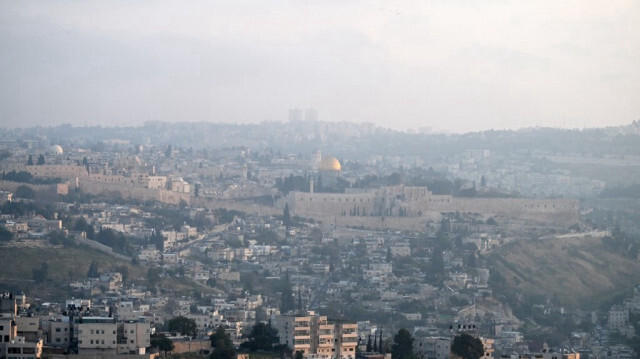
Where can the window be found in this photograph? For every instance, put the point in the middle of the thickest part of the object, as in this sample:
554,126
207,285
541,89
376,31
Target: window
28,350
57,340
57,330
91,341
91,331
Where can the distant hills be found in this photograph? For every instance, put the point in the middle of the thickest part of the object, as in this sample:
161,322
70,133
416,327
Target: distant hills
345,139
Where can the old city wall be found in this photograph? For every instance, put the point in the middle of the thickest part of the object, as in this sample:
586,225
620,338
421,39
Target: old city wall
12,186
50,171
127,190
417,202
252,208
552,211
330,204
381,222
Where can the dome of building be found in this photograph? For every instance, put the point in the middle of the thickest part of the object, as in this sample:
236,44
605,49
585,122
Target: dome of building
329,163
56,150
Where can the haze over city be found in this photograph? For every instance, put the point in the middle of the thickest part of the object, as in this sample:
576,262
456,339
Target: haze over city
449,66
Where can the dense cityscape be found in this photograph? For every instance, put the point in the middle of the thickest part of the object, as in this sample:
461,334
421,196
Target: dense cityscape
313,239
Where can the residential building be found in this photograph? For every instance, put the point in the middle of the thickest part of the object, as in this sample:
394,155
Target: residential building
315,337
96,335
432,347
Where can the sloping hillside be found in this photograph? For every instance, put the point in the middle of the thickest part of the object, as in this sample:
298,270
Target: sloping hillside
65,264
573,271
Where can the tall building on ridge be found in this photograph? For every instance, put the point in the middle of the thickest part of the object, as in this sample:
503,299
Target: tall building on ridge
296,114
311,114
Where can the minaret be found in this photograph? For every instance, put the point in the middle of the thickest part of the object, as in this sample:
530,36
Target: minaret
311,184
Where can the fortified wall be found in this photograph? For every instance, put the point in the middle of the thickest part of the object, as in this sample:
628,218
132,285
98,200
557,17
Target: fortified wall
128,190
59,188
416,202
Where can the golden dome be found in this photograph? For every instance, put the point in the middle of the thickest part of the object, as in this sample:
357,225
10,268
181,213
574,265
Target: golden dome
329,163
56,150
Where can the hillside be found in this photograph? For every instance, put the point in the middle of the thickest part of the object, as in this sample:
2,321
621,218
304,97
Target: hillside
65,264
573,271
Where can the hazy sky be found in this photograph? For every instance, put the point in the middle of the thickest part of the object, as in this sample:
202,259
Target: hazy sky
454,65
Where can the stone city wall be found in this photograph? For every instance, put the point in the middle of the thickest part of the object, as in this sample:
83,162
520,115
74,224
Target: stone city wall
127,190
12,186
251,208
417,202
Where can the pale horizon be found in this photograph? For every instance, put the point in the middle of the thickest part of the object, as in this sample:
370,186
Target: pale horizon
454,67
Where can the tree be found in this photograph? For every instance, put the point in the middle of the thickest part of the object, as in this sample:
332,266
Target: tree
163,343
375,343
25,192
5,234
82,225
183,325
287,303
30,161
20,176
124,271
402,345
167,152
93,271
153,276
222,345
40,274
262,337
369,346
286,217
467,346
57,237
40,160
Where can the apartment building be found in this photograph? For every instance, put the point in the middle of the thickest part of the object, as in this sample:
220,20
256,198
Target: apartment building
103,335
133,337
96,335
432,347
316,337
13,346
